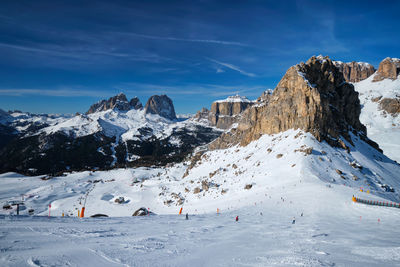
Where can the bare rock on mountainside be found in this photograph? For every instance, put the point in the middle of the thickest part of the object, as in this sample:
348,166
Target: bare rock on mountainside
224,113
265,96
119,102
161,105
355,71
312,96
389,68
390,105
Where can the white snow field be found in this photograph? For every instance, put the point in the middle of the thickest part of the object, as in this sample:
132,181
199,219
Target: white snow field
290,173
382,127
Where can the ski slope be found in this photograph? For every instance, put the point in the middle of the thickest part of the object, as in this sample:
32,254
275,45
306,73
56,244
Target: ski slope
290,173
333,231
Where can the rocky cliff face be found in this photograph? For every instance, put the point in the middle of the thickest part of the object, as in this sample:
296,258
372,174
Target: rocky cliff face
119,102
312,96
226,112
265,96
161,105
389,68
355,71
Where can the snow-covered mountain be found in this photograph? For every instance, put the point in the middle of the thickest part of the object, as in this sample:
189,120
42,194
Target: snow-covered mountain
114,132
310,153
380,100
288,170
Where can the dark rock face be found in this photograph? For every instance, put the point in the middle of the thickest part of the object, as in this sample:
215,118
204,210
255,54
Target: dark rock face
355,71
135,103
119,102
389,68
313,97
161,105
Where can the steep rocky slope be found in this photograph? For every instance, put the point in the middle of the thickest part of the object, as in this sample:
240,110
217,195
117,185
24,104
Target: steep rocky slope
312,96
160,105
355,71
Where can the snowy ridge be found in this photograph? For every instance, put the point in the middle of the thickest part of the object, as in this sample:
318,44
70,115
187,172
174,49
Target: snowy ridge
116,123
234,99
382,127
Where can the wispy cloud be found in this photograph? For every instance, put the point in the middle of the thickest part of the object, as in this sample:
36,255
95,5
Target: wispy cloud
168,38
214,90
232,67
75,54
64,92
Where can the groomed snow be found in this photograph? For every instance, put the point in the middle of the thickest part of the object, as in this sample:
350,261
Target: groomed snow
332,231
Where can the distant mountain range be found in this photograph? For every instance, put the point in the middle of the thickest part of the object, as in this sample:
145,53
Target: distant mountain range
118,132
113,133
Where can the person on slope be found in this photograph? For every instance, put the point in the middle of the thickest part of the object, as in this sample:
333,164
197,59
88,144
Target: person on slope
187,216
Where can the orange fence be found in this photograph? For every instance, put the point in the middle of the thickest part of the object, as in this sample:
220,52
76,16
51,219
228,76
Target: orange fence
376,203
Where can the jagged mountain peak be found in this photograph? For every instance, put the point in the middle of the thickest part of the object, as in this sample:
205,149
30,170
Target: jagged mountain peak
311,96
119,102
161,105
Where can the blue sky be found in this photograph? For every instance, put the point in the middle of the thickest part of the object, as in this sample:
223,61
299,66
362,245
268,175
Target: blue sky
62,56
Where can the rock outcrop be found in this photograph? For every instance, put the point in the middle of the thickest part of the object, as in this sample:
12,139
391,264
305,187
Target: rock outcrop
265,96
119,102
312,96
389,68
202,115
226,112
142,212
355,71
161,105
390,105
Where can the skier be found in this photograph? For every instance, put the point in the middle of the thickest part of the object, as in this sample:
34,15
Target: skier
301,215
294,220
237,218
187,216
